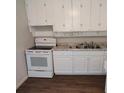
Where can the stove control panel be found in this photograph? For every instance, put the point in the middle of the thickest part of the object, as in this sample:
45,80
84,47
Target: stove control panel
45,41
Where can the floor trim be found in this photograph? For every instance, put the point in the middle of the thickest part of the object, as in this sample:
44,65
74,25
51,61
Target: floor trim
21,82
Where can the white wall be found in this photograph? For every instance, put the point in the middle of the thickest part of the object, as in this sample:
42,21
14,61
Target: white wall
24,40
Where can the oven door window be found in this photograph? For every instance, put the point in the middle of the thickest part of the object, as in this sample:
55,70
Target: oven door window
39,61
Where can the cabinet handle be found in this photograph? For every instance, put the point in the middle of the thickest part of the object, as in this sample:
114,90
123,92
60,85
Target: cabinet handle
44,4
63,25
81,5
81,25
99,24
45,20
100,4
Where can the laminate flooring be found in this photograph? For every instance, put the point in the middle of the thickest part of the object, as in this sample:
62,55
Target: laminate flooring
64,84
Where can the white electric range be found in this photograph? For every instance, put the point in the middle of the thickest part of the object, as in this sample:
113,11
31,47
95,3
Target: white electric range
39,58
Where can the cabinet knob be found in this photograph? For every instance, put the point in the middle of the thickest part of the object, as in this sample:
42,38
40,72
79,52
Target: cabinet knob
81,5
45,20
100,4
44,4
63,6
81,25
99,24
63,25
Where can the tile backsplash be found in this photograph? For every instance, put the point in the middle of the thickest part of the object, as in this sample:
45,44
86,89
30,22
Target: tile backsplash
74,40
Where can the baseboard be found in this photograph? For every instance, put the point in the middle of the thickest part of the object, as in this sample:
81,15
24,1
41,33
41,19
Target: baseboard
21,82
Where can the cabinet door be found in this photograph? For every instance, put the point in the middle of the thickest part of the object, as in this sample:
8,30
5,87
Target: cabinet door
98,15
34,12
79,64
76,15
95,64
63,65
49,12
39,12
105,63
103,19
85,6
81,15
62,15
42,12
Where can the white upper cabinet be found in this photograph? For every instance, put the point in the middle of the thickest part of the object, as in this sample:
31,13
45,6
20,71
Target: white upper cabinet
33,12
98,15
84,15
39,12
68,15
75,15
81,15
49,12
71,15
62,15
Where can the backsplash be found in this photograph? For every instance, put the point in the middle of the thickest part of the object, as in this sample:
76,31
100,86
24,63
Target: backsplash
78,40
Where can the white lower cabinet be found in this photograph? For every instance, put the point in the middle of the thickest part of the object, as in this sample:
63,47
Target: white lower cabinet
63,65
79,62
95,64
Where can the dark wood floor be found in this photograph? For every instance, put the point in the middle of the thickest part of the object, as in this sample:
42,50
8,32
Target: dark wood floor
64,84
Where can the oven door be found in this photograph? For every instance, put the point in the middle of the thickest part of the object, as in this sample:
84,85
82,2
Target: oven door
39,62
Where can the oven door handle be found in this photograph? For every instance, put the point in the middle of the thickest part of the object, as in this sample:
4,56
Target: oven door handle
39,70
44,55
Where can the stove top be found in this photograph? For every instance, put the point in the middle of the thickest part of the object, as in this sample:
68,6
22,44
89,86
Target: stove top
41,48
